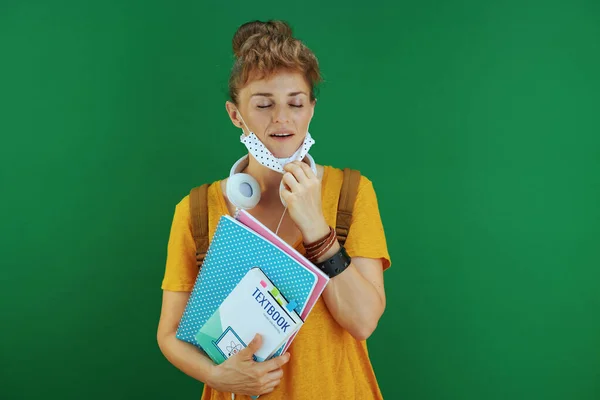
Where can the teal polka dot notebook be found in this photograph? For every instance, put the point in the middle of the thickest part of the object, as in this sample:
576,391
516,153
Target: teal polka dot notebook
233,251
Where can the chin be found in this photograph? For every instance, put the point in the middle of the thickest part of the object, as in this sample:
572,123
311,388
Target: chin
285,151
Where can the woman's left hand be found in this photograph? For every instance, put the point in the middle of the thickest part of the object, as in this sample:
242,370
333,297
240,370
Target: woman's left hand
304,200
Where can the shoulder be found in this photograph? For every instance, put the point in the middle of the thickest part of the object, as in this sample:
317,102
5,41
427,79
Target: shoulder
183,204
333,175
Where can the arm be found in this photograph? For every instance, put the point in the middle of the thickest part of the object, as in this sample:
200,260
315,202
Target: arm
356,297
186,357
238,374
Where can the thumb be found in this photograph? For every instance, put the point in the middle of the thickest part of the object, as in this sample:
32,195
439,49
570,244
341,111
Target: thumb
252,347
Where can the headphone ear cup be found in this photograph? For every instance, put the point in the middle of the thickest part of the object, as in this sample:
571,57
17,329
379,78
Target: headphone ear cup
243,191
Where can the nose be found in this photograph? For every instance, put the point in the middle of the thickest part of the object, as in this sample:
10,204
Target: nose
281,115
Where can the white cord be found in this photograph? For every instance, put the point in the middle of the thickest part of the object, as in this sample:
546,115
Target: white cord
285,209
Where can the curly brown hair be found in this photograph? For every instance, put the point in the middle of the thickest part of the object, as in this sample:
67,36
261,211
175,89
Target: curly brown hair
263,48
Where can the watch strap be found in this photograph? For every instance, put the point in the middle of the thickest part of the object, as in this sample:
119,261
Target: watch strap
336,264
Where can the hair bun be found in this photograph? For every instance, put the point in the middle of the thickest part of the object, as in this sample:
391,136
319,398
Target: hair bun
259,28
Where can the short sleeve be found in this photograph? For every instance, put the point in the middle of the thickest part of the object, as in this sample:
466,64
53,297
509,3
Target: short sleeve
366,237
181,269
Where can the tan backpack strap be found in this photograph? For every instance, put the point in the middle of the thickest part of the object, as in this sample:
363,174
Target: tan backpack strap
346,203
199,219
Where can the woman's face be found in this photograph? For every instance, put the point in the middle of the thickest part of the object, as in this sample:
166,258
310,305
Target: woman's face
277,109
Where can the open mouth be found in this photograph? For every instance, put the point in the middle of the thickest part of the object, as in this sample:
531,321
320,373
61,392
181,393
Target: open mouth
281,135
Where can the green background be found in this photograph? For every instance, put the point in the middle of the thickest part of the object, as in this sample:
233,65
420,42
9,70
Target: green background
477,121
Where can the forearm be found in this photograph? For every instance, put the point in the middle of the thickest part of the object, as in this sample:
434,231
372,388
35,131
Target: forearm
187,358
353,302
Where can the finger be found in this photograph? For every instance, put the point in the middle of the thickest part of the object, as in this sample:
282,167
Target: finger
307,170
252,347
269,389
272,383
291,182
274,363
274,376
297,171
267,384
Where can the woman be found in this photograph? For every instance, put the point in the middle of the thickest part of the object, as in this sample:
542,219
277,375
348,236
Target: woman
272,100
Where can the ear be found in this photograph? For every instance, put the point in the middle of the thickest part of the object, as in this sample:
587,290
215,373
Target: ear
233,113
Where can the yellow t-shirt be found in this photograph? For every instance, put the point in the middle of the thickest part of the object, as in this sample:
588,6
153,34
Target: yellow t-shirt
326,361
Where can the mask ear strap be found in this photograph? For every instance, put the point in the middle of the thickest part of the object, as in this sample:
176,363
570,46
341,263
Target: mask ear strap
242,119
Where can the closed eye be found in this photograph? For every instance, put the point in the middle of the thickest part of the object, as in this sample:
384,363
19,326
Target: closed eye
291,105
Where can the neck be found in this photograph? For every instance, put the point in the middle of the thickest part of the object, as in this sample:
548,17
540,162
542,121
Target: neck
267,179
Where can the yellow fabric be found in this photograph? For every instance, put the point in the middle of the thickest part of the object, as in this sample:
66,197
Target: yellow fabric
326,361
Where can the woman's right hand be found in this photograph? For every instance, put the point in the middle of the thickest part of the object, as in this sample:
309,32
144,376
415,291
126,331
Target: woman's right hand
240,374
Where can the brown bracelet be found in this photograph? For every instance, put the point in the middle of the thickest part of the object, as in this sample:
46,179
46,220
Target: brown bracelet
317,246
314,257
313,252
320,242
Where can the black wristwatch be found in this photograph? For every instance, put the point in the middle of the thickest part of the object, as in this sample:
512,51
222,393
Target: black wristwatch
336,264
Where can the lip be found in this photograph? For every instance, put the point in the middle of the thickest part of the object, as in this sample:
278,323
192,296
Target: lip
281,132
281,138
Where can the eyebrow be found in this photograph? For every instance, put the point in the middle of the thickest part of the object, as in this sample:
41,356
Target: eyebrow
271,94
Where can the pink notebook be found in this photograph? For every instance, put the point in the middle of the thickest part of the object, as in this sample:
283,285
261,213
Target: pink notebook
322,280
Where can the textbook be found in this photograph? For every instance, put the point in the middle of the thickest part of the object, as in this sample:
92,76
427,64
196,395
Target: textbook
233,251
322,279
254,306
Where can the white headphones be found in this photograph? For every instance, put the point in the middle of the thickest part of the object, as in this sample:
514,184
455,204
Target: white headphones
243,190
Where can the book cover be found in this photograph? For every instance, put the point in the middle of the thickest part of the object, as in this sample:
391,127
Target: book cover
254,306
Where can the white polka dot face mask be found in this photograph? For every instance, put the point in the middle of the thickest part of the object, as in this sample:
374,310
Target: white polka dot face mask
266,158
264,155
